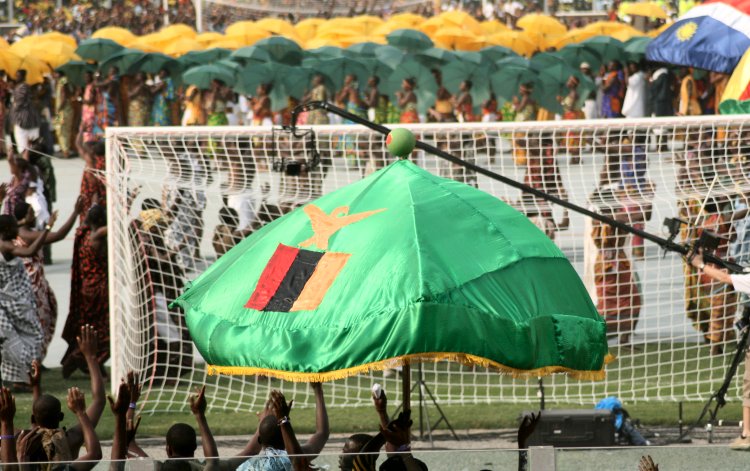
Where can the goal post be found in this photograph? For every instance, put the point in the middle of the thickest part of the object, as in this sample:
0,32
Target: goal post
179,197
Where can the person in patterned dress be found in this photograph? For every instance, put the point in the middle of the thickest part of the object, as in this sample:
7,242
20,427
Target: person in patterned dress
46,302
20,330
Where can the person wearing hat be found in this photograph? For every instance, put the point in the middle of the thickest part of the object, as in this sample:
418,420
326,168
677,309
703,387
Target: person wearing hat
571,110
590,108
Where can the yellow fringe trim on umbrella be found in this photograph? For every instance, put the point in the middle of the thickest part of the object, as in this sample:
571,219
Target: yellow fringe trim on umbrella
463,358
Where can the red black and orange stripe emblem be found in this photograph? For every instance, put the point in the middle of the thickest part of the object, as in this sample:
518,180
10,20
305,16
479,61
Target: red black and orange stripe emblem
296,279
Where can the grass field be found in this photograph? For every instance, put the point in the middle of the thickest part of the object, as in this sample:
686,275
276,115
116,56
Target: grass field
654,406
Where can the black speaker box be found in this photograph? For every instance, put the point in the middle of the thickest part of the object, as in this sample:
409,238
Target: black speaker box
574,428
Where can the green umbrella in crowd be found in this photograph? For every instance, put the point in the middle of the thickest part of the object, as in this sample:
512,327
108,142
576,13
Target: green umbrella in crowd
495,53
250,54
122,59
337,69
426,87
155,62
325,52
195,58
409,40
635,48
97,49
203,75
391,56
553,79
508,78
365,49
282,50
608,48
459,71
285,81
75,71
435,57
576,54
376,280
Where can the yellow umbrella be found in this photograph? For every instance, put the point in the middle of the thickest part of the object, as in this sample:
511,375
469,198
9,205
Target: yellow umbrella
572,37
659,30
306,29
648,9
60,37
406,20
248,38
153,42
540,23
53,53
337,33
492,27
461,19
387,28
8,60
457,39
338,25
35,68
119,35
605,28
542,40
208,38
316,42
229,42
182,46
179,30
625,34
518,41
278,26
3,43
240,28
367,23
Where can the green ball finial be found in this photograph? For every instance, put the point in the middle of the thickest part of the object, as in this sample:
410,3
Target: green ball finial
400,142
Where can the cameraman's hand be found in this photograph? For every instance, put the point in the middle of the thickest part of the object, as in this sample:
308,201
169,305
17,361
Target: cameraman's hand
696,259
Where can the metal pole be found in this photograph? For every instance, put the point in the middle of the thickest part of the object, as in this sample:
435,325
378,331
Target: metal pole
198,6
406,391
11,16
166,12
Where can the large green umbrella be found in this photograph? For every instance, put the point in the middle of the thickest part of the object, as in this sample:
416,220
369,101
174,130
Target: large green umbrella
377,68
154,62
285,81
208,56
459,71
326,52
576,54
409,40
608,48
495,53
203,75
97,49
635,48
368,277
435,57
365,49
122,59
337,69
507,80
75,71
552,83
426,87
391,56
249,54
282,49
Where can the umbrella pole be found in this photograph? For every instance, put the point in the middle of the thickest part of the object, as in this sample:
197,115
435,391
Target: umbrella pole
666,244
406,387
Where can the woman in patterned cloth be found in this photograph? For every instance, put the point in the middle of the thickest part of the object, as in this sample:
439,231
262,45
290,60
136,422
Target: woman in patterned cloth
163,93
407,101
20,330
139,105
46,301
88,109
64,114
319,92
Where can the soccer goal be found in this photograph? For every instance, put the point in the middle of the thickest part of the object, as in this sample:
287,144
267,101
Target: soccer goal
180,197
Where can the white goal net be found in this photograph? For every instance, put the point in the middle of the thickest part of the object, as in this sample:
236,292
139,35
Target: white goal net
670,328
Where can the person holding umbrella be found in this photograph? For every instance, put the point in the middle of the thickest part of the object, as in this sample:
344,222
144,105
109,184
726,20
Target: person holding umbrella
571,110
407,101
350,98
215,104
613,91
464,104
64,113
139,101
261,104
25,117
318,93
376,102
163,92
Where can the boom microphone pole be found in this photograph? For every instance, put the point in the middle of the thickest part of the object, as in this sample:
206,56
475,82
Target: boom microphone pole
666,244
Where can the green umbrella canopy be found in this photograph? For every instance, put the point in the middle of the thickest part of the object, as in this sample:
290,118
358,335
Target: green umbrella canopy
478,74
154,62
377,68
203,75
435,57
495,53
325,52
578,53
368,277
248,54
409,40
552,83
365,49
609,49
426,87
635,48
391,56
208,56
122,59
75,71
285,81
507,80
97,49
282,49
337,69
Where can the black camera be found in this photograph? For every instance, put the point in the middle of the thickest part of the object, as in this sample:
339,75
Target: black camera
294,167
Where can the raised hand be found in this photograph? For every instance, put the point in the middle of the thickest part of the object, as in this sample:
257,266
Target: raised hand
88,341
647,464
79,205
381,401
35,374
120,405
25,442
76,401
279,405
198,401
397,432
528,424
134,386
7,405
